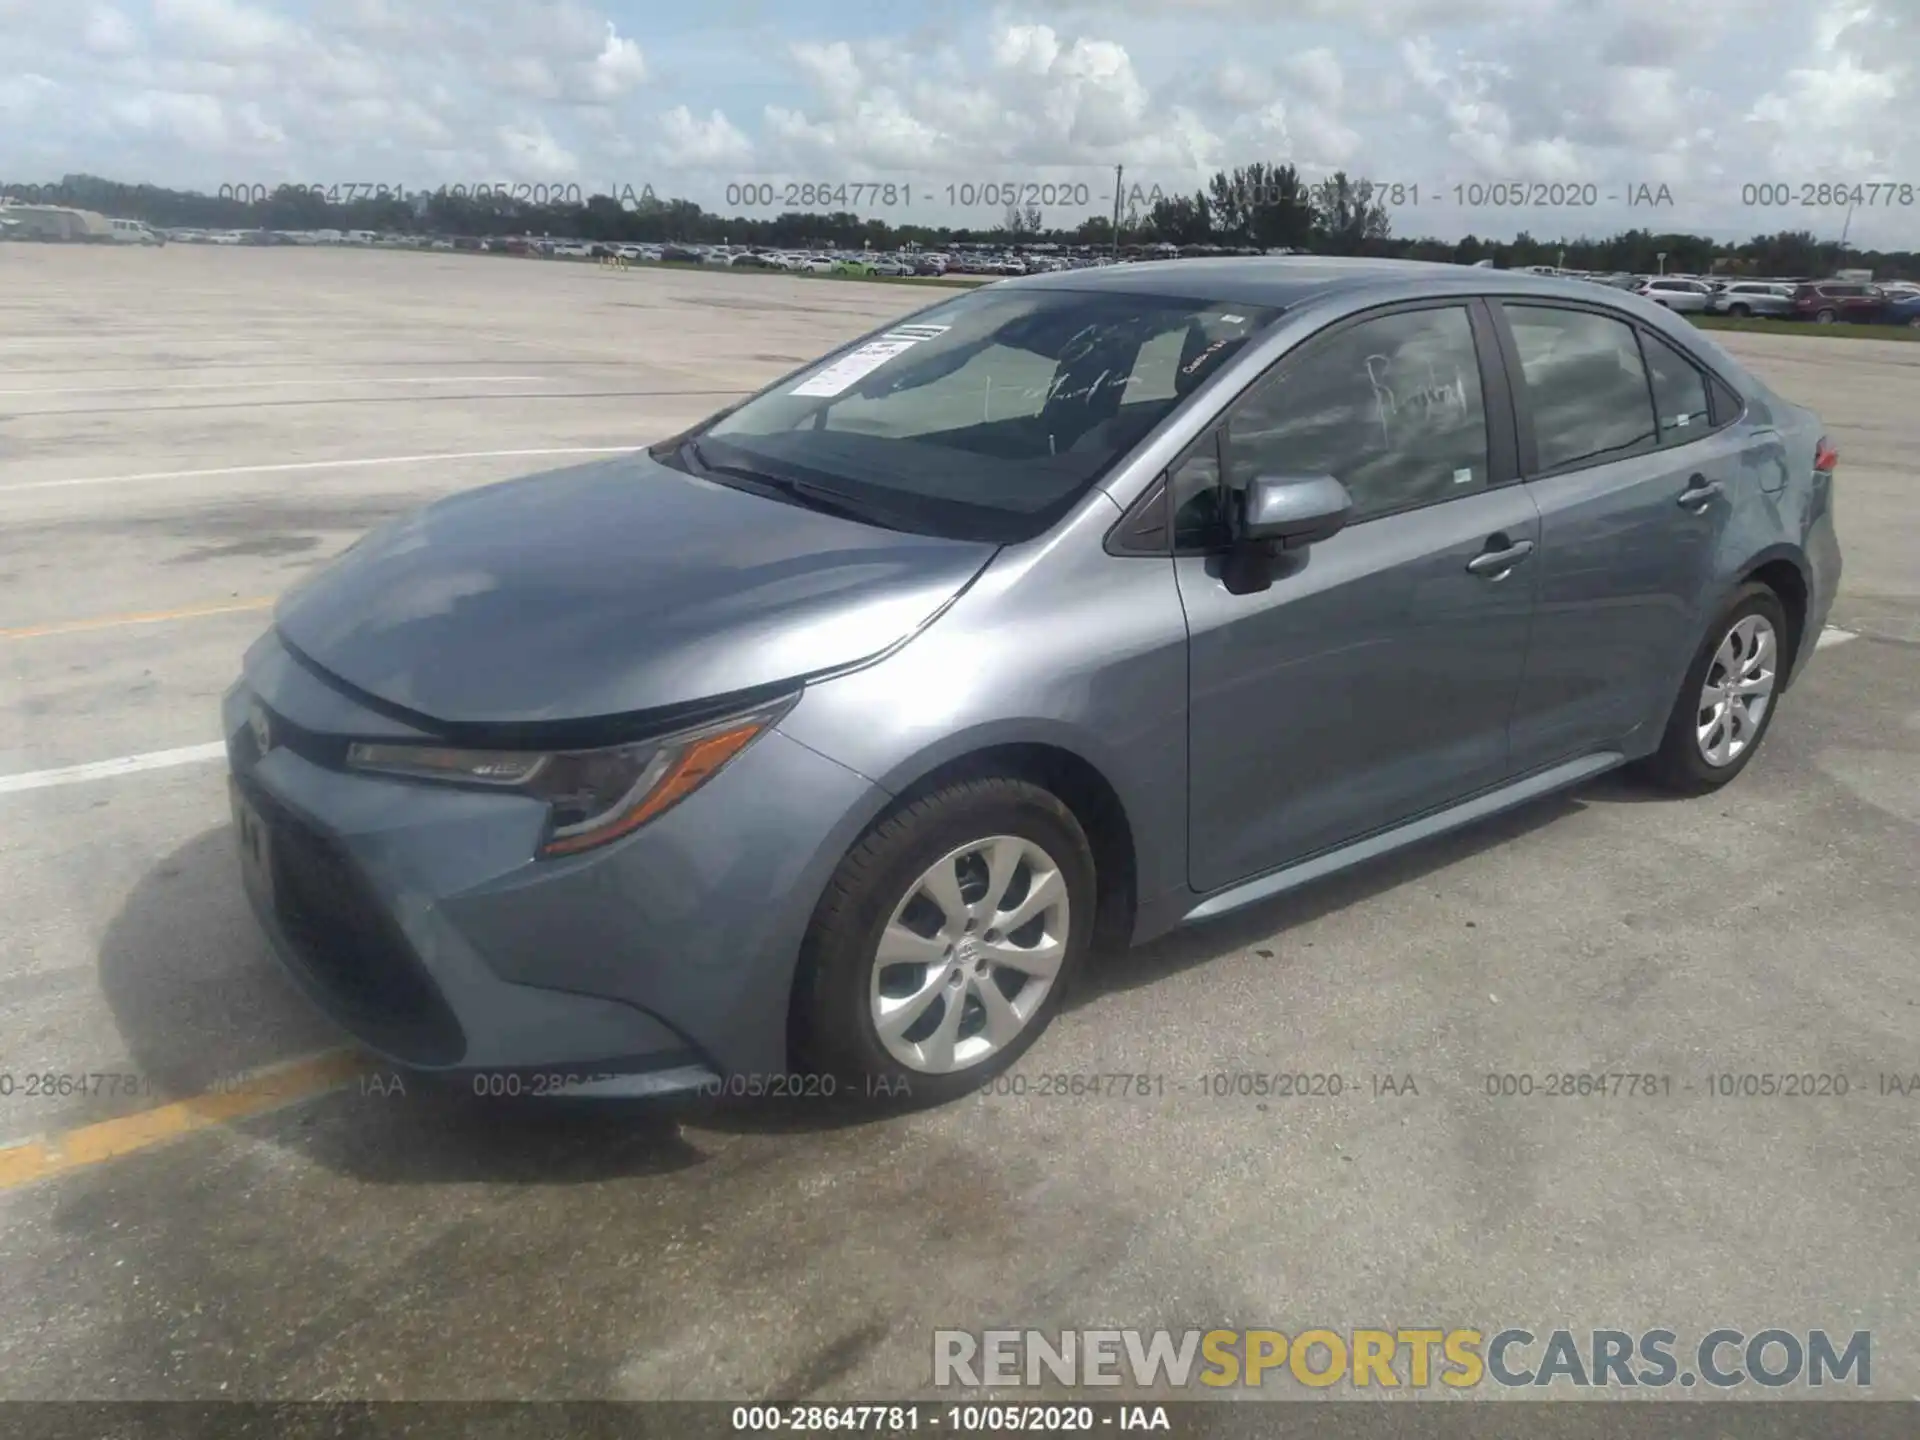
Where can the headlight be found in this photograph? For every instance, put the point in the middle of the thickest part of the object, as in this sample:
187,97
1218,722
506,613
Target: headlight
593,796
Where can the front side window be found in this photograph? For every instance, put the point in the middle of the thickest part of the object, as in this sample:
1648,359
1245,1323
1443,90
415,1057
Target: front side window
1679,392
1585,385
983,418
1390,407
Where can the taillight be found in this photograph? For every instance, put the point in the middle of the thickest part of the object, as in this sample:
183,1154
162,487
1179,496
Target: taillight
1825,456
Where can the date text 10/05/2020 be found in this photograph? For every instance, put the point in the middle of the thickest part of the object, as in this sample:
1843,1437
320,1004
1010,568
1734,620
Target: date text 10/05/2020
1021,194
806,195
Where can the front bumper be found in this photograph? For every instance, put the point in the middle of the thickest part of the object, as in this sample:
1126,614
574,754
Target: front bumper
416,916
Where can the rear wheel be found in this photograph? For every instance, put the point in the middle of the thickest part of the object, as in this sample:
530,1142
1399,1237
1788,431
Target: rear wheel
1726,701
946,940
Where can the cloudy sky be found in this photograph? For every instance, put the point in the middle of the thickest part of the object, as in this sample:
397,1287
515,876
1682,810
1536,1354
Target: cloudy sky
1705,97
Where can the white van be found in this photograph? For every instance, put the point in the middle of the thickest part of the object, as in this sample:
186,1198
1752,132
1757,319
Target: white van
134,232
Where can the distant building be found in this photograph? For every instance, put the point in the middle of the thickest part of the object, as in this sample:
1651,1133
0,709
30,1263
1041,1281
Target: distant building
55,222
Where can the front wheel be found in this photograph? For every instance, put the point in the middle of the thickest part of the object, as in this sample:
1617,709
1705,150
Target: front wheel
1739,312
1826,317
1727,699
945,941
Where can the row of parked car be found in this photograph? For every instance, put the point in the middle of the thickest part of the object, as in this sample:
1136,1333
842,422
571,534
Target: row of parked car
1825,302
844,262
739,257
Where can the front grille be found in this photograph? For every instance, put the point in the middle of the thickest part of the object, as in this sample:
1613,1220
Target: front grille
350,946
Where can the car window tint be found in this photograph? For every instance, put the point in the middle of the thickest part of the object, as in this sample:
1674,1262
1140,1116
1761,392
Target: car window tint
1392,408
1679,391
1585,385
1198,522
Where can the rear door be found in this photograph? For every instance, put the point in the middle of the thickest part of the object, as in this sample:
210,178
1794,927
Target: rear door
1621,443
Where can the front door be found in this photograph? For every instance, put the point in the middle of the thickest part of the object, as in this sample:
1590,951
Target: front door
1373,681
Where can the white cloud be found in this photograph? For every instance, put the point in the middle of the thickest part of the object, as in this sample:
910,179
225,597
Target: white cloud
225,28
618,68
109,32
1703,96
20,95
1319,74
687,141
533,154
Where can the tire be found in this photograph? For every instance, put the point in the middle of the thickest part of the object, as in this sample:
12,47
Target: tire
1826,317
841,985
1739,312
1683,763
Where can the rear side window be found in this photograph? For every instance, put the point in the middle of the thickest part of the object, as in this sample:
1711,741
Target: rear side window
1585,385
1679,392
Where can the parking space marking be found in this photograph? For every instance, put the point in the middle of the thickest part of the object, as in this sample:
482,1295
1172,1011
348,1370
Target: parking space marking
289,466
105,769
145,617
1833,636
240,1099
265,384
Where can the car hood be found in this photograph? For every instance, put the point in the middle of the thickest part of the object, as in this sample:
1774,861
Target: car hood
610,589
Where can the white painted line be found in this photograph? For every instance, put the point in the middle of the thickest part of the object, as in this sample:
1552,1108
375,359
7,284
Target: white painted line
318,465
105,769
269,384
1832,636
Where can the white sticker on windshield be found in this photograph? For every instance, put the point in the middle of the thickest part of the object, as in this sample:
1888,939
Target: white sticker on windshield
1234,319
1463,477
867,359
1679,419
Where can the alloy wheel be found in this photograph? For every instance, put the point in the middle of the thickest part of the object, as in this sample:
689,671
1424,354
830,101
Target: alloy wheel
969,954
1738,689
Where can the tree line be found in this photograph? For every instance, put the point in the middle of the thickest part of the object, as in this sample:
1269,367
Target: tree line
1253,207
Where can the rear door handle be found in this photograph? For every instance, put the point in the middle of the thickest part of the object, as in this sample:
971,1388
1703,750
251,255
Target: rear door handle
1698,492
1496,563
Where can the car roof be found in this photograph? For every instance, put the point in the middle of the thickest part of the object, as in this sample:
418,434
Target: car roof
1284,281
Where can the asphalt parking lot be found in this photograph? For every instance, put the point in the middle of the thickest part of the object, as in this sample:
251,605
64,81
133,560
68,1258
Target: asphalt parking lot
185,432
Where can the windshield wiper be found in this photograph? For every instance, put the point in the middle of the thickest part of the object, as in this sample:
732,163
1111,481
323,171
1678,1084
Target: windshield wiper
823,498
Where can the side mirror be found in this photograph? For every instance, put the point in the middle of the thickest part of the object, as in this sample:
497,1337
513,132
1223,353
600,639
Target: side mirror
1293,510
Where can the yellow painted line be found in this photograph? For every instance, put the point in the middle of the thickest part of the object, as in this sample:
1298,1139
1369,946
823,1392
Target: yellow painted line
144,617
243,1098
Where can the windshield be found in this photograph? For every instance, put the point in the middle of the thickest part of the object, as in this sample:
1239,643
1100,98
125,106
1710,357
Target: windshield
983,418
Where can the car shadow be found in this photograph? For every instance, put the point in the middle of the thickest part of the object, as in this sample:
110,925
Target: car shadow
1269,919
199,1000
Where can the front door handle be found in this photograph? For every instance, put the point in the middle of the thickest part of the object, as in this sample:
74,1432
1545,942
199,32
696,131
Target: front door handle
1698,492
1496,563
